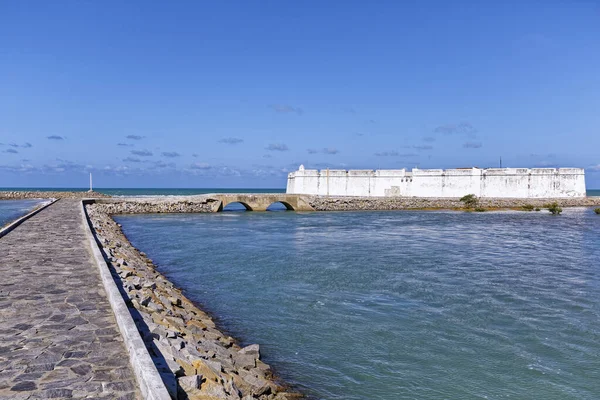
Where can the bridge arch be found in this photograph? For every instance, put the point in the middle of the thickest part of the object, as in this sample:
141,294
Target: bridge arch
285,204
260,202
234,203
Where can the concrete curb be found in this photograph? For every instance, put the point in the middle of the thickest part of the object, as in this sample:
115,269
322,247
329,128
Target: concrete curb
10,227
147,376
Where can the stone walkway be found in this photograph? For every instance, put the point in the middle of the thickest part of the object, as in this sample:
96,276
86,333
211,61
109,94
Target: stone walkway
58,336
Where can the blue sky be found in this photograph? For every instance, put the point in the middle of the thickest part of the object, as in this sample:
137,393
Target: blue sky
238,93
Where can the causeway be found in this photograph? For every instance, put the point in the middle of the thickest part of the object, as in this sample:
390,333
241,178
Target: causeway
58,335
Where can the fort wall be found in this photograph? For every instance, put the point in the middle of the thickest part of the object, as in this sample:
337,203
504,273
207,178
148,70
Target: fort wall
491,182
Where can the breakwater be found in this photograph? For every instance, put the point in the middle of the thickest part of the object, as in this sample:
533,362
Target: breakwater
330,203
216,202
20,195
205,204
192,355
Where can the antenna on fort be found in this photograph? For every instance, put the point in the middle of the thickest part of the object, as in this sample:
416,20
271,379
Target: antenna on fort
91,190
500,161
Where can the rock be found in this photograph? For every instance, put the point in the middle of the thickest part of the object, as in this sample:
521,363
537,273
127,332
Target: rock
188,368
261,366
154,306
158,332
171,334
175,367
177,343
213,391
190,382
256,382
175,301
165,301
253,349
208,372
136,282
145,301
213,365
246,361
232,389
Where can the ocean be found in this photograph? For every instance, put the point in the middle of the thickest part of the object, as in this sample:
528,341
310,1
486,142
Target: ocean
175,192
398,305
13,209
150,191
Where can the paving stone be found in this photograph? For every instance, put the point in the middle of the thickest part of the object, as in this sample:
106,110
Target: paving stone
57,394
54,312
24,386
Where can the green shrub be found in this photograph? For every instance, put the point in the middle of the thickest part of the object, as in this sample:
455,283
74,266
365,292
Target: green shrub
527,207
554,208
597,211
470,200
538,209
480,209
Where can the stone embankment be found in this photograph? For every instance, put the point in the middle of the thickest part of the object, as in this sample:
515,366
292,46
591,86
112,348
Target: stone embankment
199,205
323,203
21,195
195,359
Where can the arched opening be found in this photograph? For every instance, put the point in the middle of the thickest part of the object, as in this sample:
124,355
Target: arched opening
237,206
280,206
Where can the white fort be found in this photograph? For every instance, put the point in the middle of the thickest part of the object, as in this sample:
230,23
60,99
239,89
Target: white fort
490,182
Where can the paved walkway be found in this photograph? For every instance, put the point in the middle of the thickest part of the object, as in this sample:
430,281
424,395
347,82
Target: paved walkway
58,336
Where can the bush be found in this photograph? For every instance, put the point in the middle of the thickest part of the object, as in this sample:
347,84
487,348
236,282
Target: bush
538,209
470,200
527,207
554,208
597,211
480,209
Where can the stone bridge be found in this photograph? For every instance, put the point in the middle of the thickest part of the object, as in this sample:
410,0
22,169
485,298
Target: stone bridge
260,202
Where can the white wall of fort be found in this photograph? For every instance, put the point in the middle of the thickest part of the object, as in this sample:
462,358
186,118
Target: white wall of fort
491,182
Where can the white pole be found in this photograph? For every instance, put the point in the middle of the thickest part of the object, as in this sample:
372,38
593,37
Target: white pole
91,182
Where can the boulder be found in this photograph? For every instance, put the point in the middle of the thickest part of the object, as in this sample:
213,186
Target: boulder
253,349
190,382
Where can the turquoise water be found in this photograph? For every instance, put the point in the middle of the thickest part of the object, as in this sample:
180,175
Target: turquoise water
13,209
398,305
150,191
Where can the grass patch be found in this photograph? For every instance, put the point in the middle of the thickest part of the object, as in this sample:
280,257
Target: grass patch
554,208
597,211
470,201
527,207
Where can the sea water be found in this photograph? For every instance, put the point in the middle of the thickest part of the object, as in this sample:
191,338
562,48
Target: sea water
398,305
13,209
149,191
